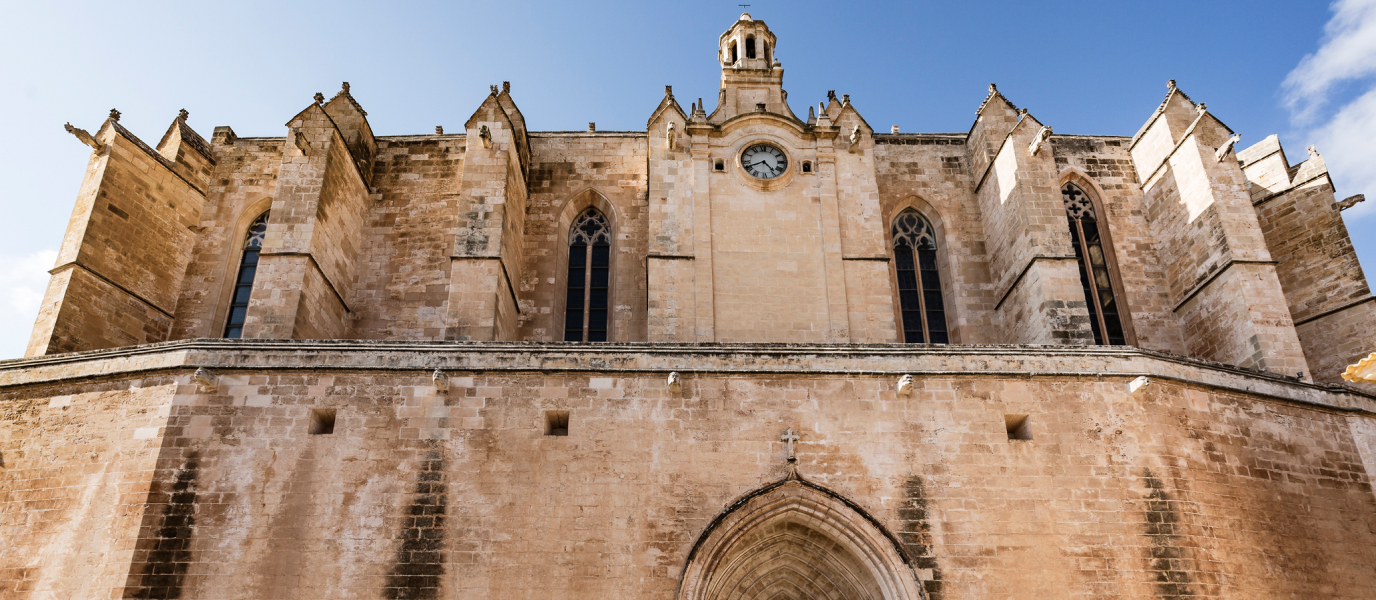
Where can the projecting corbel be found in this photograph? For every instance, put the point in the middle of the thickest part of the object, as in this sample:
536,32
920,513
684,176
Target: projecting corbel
905,385
204,380
1039,140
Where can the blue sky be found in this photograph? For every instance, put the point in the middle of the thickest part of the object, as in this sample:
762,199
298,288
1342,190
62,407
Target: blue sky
1303,70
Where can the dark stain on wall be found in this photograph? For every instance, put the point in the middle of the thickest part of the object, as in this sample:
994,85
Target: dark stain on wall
915,532
1168,562
419,564
167,554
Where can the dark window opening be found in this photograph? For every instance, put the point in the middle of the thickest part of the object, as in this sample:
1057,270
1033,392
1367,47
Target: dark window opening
1095,277
243,282
719,165
734,58
590,251
919,282
750,47
557,422
766,52
322,421
807,166
1017,427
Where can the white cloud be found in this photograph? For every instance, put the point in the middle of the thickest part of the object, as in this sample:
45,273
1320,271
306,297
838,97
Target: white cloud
1346,57
23,280
1348,52
1348,144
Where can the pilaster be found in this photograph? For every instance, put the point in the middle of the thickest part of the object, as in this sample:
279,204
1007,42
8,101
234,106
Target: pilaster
1221,276
486,258
1040,299
308,264
128,241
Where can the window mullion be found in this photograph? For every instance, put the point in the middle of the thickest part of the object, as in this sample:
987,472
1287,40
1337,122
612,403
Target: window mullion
921,296
587,292
1096,312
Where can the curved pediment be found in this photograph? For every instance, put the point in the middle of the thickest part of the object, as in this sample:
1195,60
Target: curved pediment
752,118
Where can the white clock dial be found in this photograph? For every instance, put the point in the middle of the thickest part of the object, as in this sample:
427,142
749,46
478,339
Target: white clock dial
764,161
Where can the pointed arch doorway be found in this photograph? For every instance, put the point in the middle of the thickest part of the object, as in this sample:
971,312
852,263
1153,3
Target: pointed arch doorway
795,540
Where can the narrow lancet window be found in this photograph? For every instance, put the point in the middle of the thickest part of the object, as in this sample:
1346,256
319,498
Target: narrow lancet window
750,47
734,56
1095,276
590,250
243,282
919,283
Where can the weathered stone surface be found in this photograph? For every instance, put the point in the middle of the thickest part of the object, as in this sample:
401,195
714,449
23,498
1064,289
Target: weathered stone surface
404,420
1193,482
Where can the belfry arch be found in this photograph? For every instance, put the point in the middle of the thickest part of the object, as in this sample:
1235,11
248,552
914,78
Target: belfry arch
795,540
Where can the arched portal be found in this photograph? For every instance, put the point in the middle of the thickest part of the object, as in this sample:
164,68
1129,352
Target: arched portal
795,540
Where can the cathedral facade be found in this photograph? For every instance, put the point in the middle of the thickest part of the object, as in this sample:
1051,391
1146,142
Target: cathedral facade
745,353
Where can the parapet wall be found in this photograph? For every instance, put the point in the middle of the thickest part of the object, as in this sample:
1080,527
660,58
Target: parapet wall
124,477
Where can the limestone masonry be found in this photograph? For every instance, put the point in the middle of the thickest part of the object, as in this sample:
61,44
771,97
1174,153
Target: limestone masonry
746,354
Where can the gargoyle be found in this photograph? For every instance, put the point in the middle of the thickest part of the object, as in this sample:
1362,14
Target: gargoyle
854,139
1226,147
1351,201
485,135
671,135
85,137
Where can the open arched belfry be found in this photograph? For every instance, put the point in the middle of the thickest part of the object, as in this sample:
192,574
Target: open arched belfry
763,352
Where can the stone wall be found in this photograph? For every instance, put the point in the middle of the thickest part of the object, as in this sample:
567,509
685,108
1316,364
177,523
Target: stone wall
928,173
408,238
1103,168
419,493
571,172
241,188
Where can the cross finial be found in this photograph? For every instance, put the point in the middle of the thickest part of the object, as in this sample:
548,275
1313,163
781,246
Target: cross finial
319,98
743,6
788,438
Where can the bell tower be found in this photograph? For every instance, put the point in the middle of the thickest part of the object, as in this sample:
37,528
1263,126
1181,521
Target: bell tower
750,73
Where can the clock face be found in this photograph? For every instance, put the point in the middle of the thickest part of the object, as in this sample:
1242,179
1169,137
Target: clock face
764,161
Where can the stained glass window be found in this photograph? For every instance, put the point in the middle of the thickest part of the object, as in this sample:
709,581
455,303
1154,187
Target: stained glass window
243,282
590,250
1095,277
919,282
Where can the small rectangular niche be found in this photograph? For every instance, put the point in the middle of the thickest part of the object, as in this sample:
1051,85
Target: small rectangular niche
557,422
719,165
1018,427
322,421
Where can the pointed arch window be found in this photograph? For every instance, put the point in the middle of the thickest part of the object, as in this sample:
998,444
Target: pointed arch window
1095,274
919,282
590,250
750,47
243,281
